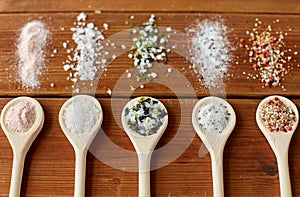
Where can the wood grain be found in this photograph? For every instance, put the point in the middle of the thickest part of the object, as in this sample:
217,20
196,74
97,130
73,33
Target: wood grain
181,82
250,167
254,6
249,164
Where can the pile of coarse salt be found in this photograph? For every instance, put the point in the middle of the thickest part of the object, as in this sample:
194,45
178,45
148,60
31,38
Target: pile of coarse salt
85,61
210,51
30,53
81,116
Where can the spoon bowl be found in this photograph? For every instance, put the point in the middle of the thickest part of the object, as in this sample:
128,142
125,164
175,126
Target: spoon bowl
21,142
144,146
80,141
215,142
279,142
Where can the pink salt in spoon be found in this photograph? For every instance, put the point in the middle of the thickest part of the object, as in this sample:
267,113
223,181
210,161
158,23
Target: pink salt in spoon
21,142
278,140
80,140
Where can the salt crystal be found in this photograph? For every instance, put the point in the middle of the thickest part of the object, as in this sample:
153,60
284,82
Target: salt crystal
105,25
168,29
81,17
109,91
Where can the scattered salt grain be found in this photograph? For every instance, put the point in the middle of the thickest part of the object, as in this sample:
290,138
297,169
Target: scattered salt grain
81,116
109,91
210,51
105,25
81,17
30,53
168,29
20,117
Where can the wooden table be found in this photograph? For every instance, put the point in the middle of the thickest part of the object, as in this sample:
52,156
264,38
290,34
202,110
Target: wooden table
250,167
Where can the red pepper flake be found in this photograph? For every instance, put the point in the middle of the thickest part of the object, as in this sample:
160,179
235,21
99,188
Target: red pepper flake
268,55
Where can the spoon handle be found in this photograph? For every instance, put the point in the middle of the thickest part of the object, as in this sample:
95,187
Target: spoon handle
284,175
17,174
80,168
144,174
217,173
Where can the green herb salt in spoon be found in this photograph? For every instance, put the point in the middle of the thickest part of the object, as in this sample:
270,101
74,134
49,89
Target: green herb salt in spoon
144,120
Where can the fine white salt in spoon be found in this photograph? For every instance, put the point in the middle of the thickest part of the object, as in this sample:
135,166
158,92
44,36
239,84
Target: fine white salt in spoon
80,119
283,111
21,141
215,139
143,136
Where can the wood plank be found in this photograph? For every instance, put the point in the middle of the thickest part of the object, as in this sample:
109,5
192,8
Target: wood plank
254,6
236,85
249,164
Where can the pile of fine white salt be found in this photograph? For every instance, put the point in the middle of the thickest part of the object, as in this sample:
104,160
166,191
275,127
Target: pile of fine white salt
30,53
81,116
210,51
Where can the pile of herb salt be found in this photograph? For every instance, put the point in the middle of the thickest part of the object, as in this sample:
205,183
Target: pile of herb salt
149,45
213,117
145,116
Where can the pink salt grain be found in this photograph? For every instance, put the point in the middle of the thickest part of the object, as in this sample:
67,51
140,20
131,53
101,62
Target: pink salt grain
20,117
30,53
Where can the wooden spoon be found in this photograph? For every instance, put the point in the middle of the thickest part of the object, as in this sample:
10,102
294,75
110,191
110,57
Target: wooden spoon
215,143
144,146
80,142
21,142
279,142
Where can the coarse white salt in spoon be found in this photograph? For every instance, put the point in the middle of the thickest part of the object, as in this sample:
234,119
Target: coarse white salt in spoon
80,119
21,120
144,120
277,117
213,120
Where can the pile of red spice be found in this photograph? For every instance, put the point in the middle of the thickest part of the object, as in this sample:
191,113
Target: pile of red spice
268,54
277,116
